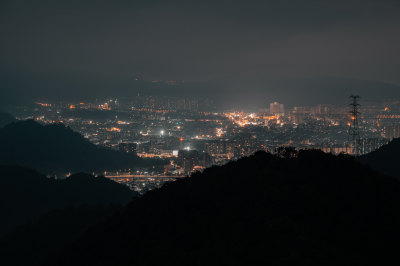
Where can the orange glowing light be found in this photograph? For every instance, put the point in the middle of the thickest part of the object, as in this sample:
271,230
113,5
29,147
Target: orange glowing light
72,106
44,104
114,129
181,139
104,106
389,116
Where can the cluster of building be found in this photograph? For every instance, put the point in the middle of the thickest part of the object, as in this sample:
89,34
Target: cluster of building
191,135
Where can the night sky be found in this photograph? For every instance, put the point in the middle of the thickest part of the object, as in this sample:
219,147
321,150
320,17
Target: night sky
291,51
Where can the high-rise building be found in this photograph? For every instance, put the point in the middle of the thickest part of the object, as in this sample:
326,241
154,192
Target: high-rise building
215,147
391,131
276,108
206,160
188,159
324,109
367,145
220,148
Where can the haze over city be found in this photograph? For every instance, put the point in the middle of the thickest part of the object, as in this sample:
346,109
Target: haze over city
296,52
199,132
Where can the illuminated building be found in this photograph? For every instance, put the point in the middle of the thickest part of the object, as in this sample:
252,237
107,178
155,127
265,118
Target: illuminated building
276,108
391,131
215,147
206,160
347,149
188,159
367,145
127,147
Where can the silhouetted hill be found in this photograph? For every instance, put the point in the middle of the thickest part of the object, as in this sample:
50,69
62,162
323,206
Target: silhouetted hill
315,209
386,159
25,194
57,148
5,119
31,243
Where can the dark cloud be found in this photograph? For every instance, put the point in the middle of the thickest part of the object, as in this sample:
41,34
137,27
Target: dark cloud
92,47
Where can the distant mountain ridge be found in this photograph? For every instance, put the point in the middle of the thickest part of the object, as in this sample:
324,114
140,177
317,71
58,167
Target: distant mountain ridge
56,148
256,89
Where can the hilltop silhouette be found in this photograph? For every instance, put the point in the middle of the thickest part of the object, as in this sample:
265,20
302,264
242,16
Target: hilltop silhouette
31,244
25,195
56,148
385,159
5,119
307,208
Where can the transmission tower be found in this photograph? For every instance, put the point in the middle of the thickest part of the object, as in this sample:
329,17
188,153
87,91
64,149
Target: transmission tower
354,132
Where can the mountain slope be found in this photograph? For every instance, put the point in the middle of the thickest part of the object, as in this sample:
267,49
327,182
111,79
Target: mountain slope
25,194
57,148
31,243
386,159
316,209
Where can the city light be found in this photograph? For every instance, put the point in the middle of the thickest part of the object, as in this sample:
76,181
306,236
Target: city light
114,129
217,137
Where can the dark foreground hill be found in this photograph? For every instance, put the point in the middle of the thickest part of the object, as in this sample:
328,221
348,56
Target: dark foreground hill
25,195
31,244
56,148
316,209
386,159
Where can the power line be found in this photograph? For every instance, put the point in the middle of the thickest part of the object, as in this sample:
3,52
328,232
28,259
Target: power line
354,131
